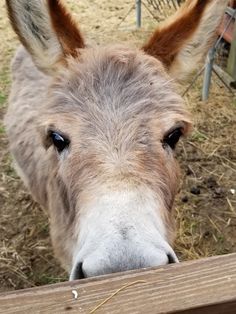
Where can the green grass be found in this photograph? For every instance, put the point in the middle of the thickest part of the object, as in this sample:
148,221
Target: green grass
3,99
234,103
5,77
4,85
2,130
199,136
44,279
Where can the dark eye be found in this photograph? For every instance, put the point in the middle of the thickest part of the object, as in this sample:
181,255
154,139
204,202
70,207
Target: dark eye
172,138
59,141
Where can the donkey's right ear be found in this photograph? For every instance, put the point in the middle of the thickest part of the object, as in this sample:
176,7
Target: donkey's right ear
46,30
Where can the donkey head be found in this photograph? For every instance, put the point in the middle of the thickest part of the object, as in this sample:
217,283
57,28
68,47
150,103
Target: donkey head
110,126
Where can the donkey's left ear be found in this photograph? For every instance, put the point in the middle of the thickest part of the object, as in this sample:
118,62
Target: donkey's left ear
47,31
184,39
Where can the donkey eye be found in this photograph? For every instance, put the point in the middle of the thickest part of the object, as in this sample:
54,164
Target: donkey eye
172,138
59,141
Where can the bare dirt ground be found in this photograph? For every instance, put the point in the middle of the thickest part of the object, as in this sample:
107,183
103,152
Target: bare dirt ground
205,205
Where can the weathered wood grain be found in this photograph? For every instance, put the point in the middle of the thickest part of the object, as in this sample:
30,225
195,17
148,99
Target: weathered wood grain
202,286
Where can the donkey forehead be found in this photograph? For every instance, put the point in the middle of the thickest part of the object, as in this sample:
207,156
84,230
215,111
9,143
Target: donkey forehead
117,84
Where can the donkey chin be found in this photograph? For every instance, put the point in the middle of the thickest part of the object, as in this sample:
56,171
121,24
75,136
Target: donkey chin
120,231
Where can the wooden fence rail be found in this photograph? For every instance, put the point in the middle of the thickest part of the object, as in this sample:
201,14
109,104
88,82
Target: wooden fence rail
201,286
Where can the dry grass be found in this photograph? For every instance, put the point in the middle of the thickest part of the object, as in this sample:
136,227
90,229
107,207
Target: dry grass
205,222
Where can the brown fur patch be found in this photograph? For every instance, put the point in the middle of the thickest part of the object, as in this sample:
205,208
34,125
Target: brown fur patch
68,33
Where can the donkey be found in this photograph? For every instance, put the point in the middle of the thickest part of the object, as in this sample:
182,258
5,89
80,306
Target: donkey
93,131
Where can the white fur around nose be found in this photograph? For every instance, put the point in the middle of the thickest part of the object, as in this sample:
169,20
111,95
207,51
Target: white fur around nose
121,230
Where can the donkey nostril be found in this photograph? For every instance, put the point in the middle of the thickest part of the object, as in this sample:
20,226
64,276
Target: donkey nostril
78,272
171,259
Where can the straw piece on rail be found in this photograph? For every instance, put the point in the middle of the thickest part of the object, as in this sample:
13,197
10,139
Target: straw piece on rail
115,293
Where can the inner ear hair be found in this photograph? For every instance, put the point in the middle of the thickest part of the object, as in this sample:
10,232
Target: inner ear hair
68,32
169,38
47,31
182,41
